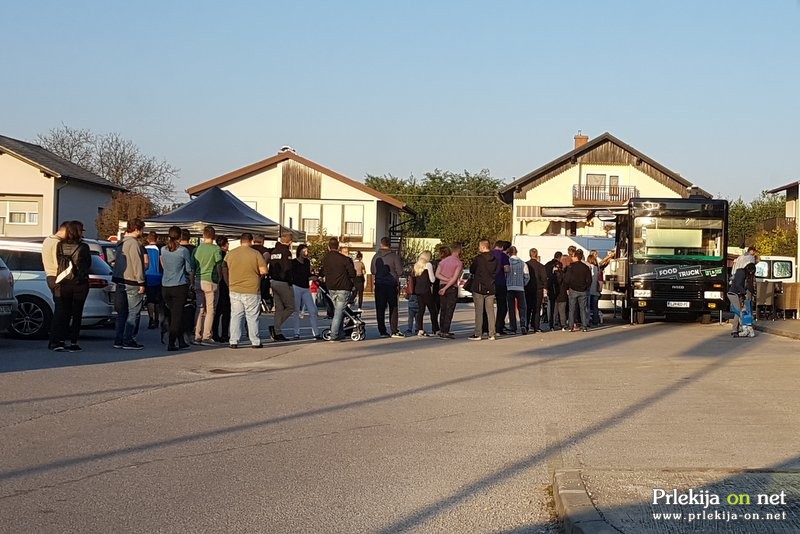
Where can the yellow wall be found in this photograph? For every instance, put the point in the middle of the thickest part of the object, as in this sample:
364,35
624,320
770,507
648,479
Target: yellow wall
338,203
19,178
557,193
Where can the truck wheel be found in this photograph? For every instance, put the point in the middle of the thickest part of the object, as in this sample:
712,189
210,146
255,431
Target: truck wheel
638,317
705,318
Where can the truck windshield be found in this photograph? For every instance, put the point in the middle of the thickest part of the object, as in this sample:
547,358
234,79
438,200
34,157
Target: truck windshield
678,238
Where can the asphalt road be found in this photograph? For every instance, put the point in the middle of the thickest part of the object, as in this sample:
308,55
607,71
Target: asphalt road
384,435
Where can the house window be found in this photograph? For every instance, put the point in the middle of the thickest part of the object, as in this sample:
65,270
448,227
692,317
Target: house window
22,212
353,229
613,186
596,180
311,226
23,217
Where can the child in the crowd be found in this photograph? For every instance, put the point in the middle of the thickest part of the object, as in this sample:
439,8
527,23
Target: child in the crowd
413,306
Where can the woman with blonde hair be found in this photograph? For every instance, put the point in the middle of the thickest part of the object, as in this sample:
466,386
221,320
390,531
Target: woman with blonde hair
423,288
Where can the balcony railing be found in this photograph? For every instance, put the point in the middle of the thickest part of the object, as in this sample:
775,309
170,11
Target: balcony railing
583,195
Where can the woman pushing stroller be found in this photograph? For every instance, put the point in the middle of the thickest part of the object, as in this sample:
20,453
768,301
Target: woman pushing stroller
740,295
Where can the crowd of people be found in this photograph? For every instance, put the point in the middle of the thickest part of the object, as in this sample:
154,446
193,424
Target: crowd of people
209,294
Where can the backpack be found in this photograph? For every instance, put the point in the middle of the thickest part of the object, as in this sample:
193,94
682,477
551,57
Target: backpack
67,270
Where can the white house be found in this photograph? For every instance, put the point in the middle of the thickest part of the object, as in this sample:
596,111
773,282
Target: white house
304,195
563,197
39,189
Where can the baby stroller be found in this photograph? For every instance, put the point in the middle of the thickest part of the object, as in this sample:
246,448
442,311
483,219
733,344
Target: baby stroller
745,314
352,324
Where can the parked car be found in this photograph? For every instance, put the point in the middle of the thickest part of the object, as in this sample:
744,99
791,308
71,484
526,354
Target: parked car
8,303
34,316
107,250
463,294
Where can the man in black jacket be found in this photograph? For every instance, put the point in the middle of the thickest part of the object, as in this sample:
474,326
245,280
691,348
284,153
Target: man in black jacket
552,290
578,279
280,273
483,271
340,279
535,291
386,268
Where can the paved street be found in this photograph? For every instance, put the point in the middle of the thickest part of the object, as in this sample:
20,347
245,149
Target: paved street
385,435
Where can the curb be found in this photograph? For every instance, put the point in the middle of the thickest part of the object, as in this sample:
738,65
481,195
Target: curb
575,507
770,327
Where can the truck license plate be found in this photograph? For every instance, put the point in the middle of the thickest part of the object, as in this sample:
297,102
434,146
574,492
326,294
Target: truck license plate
677,304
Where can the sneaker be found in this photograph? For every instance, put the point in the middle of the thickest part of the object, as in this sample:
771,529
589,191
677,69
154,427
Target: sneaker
450,335
207,343
259,346
398,335
421,334
564,329
584,329
74,348
280,337
233,346
133,345
492,338
58,347
118,345
474,338
385,334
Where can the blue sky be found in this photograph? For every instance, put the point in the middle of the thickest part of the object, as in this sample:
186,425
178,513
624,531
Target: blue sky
709,89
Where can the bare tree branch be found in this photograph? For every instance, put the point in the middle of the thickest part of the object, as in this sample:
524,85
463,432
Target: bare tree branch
117,159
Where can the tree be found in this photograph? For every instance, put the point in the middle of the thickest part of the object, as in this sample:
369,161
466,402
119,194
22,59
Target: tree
745,220
457,208
117,159
317,248
776,242
123,207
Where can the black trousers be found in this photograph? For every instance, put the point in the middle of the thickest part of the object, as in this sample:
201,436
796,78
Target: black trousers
386,295
534,298
360,281
221,327
501,298
70,312
426,301
174,299
448,307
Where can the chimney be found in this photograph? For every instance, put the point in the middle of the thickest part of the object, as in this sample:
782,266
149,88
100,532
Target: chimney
581,139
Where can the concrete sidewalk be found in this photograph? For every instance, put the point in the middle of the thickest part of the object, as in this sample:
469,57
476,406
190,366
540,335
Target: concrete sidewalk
600,501
780,327
613,501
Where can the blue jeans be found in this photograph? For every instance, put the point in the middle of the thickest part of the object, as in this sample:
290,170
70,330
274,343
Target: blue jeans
245,306
339,298
594,309
128,304
413,306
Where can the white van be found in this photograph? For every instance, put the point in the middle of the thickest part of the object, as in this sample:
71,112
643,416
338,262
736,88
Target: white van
775,269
